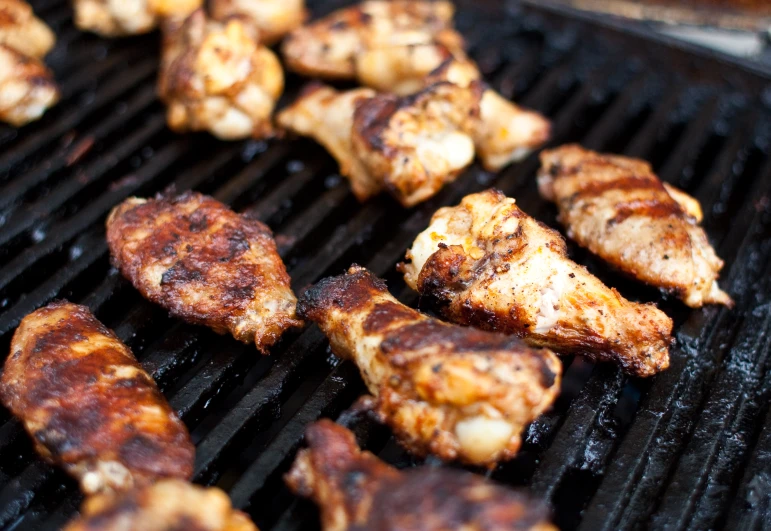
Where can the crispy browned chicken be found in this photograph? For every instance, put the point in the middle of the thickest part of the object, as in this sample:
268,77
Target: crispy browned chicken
414,145
217,77
272,18
169,505
23,31
356,490
487,264
27,87
116,18
331,47
617,208
88,405
507,133
452,391
205,264
326,115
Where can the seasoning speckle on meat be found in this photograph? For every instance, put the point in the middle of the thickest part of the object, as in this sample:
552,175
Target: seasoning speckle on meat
452,391
27,87
205,264
89,406
116,18
355,490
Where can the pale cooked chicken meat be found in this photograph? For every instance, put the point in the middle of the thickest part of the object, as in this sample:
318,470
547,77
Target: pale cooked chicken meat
330,47
205,264
487,264
416,144
617,208
169,505
116,18
23,31
452,391
88,405
507,133
217,77
355,490
326,115
27,87
272,18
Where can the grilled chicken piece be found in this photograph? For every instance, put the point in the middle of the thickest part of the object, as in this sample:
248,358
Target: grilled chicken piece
23,31
356,490
617,208
216,77
272,18
205,264
88,405
452,391
169,505
414,145
27,87
326,115
487,264
507,133
330,47
117,18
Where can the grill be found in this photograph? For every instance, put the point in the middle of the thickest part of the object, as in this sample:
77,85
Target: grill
690,448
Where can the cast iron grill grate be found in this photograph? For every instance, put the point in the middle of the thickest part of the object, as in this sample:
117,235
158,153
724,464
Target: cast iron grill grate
688,449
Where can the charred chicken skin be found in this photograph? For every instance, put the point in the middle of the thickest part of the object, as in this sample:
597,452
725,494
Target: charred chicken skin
27,87
205,264
116,18
21,30
89,406
356,490
487,264
272,18
326,115
414,145
169,505
217,77
334,46
452,391
617,208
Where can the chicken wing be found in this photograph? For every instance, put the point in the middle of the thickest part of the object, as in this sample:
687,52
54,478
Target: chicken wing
326,115
416,144
356,490
169,505
507,133
272,18
617,208
88,405
23,31
117,18
216,77
330,47
27,87
452,391
205,264
488,264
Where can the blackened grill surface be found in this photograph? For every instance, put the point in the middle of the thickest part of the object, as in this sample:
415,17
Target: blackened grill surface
688,449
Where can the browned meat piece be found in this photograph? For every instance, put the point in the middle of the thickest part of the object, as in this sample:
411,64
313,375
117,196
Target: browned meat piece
617,208
169,505
356,490
88,405
487,264
332,46
205,264
23,31
272,18
217,77
453,391
116,18
27,87
416,144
